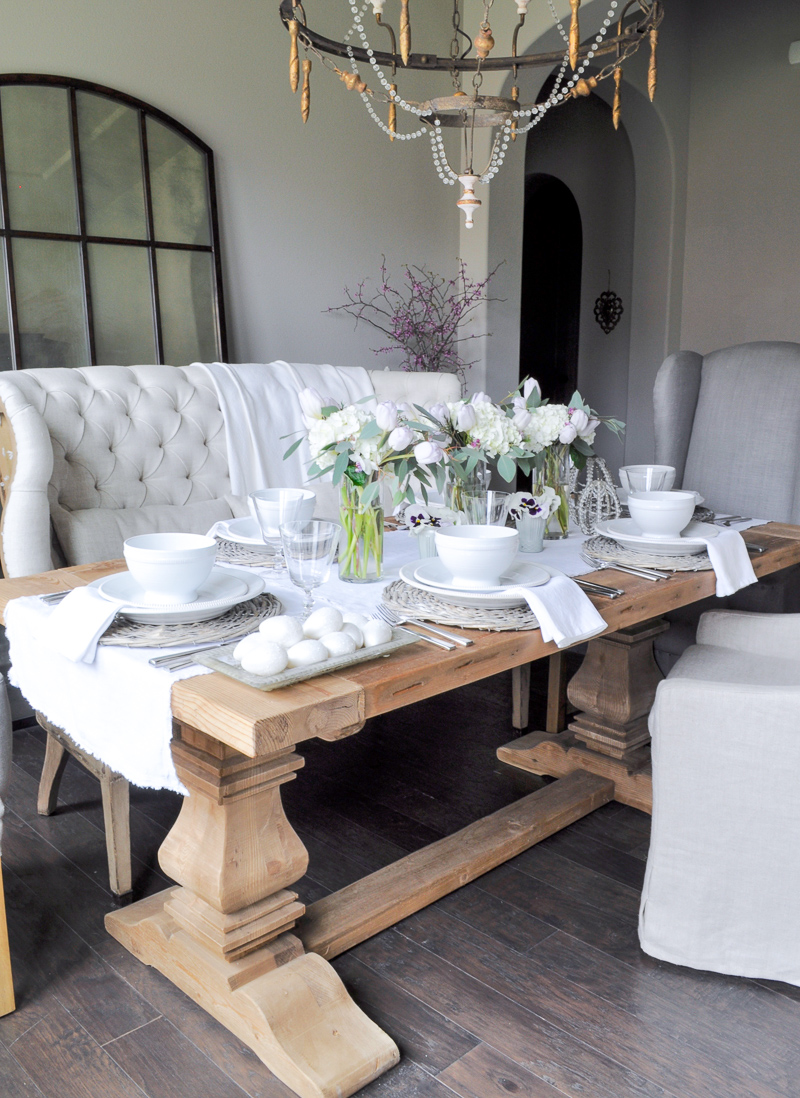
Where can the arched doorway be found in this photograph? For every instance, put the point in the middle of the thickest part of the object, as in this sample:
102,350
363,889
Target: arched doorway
551,286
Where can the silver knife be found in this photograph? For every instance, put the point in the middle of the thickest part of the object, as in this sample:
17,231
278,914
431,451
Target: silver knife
600,589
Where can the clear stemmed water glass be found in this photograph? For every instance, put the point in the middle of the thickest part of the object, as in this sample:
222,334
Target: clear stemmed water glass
309,547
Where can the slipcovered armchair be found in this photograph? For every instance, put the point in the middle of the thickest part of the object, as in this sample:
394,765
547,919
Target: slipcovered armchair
721,890
92,456
729,422
6,985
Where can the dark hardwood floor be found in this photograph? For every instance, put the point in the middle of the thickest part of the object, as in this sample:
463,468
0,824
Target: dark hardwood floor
528,982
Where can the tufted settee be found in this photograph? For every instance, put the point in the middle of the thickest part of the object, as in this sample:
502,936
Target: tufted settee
92,456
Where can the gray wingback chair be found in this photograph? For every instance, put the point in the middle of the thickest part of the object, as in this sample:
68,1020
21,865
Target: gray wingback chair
729,422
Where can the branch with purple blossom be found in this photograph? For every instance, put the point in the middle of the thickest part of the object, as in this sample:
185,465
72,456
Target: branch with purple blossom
425,319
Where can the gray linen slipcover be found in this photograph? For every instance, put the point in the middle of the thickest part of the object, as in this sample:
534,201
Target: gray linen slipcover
729,422
721,891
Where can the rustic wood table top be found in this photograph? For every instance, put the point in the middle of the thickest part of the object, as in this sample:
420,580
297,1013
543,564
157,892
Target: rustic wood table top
255,722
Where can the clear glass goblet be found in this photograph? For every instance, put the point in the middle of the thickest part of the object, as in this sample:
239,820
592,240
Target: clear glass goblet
309,547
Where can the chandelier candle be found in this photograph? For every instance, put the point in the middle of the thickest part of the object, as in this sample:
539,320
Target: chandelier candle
471,54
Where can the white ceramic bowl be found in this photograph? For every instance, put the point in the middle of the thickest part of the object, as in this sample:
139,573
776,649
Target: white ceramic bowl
170,568
661,514
272,506
647,478
476,556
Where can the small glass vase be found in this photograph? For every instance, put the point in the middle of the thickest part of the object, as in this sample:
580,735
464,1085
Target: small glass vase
554,473
361,545
531,530
457,490
426,542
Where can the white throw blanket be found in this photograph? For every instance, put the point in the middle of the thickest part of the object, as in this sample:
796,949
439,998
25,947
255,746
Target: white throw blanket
117,708
260,406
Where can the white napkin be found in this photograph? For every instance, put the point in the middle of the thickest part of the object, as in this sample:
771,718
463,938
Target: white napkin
564,612
78,623
730,561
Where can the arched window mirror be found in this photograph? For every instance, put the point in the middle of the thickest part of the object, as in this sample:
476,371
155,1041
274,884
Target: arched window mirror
109,231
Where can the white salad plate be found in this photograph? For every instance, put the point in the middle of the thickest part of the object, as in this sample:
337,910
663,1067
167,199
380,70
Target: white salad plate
520,574
246,531
432,573
224,588
627,533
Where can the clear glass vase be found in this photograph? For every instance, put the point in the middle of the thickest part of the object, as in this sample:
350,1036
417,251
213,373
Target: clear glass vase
554,473
458,489
361,545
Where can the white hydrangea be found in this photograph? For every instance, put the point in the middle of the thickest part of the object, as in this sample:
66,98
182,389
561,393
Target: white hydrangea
545,426
493,430
340,426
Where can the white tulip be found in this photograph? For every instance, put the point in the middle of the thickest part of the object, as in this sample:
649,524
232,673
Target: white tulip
568,434
386,415
400,439
311,403
579,420
529,386
428,453
522,419
441,412
467,417
481,398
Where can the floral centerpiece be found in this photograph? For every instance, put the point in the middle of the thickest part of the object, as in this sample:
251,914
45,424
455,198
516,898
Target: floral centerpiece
558,436
362,448
426,318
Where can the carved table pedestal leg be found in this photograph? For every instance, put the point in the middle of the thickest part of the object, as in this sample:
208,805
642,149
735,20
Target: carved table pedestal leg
614,688
225,938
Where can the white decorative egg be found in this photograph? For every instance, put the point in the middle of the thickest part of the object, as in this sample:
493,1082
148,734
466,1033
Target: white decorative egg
253,640
354,631
284,629
307,652
339,644
376,632
267,658
325,620
352,618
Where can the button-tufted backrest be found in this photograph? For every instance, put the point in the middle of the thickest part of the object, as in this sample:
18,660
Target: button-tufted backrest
106,452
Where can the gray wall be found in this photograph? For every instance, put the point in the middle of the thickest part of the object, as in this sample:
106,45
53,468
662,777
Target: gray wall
742,278
304,210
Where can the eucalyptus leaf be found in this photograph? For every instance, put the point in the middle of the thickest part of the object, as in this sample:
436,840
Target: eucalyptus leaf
292,448
340,465
506,468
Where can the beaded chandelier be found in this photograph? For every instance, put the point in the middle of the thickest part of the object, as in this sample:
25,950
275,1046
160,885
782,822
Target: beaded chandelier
467,111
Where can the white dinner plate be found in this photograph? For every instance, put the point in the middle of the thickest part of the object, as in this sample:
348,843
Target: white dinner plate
224,588
627,533
244,530
432,573
493,600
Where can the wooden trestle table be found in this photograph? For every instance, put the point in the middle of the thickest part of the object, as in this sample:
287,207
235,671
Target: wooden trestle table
239,941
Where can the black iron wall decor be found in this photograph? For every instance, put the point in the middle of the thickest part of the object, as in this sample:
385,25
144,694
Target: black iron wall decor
608,309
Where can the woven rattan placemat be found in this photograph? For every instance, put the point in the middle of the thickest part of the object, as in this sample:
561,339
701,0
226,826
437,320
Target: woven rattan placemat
416,603
247,556
236,622
609,550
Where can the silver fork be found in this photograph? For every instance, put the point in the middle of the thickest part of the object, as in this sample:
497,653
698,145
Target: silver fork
448,641
730,520
54,597
632,570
